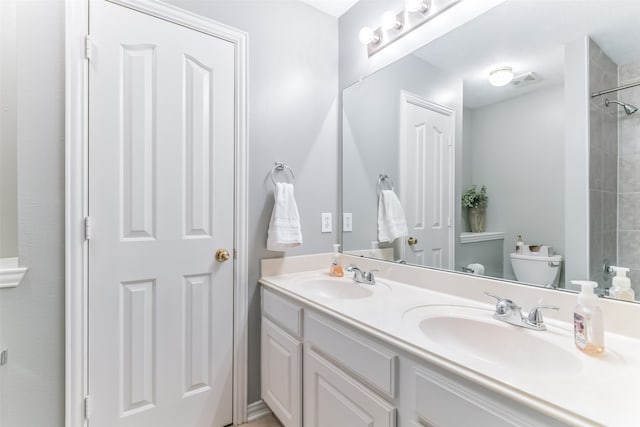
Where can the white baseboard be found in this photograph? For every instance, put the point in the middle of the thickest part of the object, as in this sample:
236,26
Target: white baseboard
257,409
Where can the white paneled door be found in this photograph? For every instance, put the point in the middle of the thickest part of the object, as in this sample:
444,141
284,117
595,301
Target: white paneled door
427,167
161,198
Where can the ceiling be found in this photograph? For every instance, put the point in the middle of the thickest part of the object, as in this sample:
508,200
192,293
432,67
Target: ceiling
529,35
332,7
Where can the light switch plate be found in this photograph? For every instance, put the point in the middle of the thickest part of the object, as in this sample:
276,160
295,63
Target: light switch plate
347,221
326,222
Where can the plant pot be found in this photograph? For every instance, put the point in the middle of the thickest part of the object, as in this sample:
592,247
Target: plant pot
477,219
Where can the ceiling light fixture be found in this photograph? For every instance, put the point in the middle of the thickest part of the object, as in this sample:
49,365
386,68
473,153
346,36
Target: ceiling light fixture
501,76
368,36
391,21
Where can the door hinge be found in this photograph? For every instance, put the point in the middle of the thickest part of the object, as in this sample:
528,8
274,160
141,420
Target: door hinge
87,407
88,229
4,354
87,47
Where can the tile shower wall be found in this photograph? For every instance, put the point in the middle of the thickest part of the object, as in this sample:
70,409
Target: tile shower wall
603,165
629,176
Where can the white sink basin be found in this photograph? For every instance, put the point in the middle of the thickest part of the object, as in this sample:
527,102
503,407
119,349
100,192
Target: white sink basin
473,333
339,288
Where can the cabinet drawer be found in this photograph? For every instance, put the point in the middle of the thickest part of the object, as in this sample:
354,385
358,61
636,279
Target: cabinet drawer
449,401
283,313
334,399
357,355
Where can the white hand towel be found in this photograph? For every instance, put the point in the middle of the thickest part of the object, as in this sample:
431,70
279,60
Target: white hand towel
284,229
391,220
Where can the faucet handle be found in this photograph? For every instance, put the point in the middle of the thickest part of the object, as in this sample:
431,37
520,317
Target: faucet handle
503,305
370,277
535,315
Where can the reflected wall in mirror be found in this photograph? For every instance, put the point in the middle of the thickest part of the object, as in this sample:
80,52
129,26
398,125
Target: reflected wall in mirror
8,137
514,139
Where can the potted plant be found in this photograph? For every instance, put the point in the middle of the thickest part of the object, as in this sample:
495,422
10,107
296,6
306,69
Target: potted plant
476,200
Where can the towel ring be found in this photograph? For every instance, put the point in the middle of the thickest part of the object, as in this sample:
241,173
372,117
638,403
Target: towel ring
281,167
382,180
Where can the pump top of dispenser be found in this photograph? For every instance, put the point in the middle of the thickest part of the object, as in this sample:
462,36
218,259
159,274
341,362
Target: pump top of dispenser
586,296
621,273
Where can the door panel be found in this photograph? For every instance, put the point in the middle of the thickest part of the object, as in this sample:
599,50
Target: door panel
427,167
161,133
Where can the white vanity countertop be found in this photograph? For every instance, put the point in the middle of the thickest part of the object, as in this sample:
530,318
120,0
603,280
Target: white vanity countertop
598,390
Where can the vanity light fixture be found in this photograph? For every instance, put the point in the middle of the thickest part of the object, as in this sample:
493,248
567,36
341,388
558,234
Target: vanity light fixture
501,76
391,22
420,6
396,25
368,36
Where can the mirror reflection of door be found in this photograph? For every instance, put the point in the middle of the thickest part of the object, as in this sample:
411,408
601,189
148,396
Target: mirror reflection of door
426,174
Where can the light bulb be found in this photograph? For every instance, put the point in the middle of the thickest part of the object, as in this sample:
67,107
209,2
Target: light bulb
421,6
390,21
501,76
367,36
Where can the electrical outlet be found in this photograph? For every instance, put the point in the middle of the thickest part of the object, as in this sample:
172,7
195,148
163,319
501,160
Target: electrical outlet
326,222
347,221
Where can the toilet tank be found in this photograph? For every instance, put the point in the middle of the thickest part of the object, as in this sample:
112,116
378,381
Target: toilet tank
537,270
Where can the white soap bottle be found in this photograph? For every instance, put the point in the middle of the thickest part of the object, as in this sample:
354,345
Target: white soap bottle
621,285
588,325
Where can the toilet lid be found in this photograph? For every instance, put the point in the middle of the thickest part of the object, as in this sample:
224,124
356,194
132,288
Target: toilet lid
555,258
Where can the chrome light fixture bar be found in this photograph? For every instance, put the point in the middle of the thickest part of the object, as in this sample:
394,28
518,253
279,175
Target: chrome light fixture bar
395,26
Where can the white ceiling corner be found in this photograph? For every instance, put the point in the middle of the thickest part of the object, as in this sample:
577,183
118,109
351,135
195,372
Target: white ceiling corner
331,7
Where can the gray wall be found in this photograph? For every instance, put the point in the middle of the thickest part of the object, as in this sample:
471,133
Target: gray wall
8,146
293,78
293,89
603,166
33,313
371,123
517,147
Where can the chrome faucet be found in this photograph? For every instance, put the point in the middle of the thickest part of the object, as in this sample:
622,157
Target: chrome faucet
508,311
361,276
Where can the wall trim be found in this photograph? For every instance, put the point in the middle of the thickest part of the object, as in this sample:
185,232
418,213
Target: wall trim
76,198
257,410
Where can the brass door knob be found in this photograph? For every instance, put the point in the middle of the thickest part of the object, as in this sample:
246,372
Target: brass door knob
412,241
222,255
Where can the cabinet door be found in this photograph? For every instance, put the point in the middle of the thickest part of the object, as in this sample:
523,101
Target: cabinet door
334,399
281,360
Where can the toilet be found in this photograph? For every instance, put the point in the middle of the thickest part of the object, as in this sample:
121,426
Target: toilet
537,269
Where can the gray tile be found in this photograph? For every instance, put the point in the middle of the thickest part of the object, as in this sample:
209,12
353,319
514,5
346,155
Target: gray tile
609,172
609,211
629,73
595,169
629,179
629,249
629,211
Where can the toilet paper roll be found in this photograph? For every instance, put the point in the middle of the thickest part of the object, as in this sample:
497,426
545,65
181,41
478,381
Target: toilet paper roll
476,269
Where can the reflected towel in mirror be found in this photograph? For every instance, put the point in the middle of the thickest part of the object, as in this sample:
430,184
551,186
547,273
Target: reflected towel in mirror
391,220
284,228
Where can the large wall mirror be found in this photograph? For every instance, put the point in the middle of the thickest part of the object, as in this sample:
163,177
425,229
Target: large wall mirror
431,125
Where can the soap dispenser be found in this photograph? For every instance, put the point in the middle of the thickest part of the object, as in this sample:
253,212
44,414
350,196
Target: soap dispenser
621,285
588,324
335,269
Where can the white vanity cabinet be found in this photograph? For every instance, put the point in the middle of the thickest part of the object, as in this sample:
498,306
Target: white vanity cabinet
281,358
331,373
348,379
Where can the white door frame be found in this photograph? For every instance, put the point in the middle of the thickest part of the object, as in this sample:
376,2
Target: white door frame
411,98
77,49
